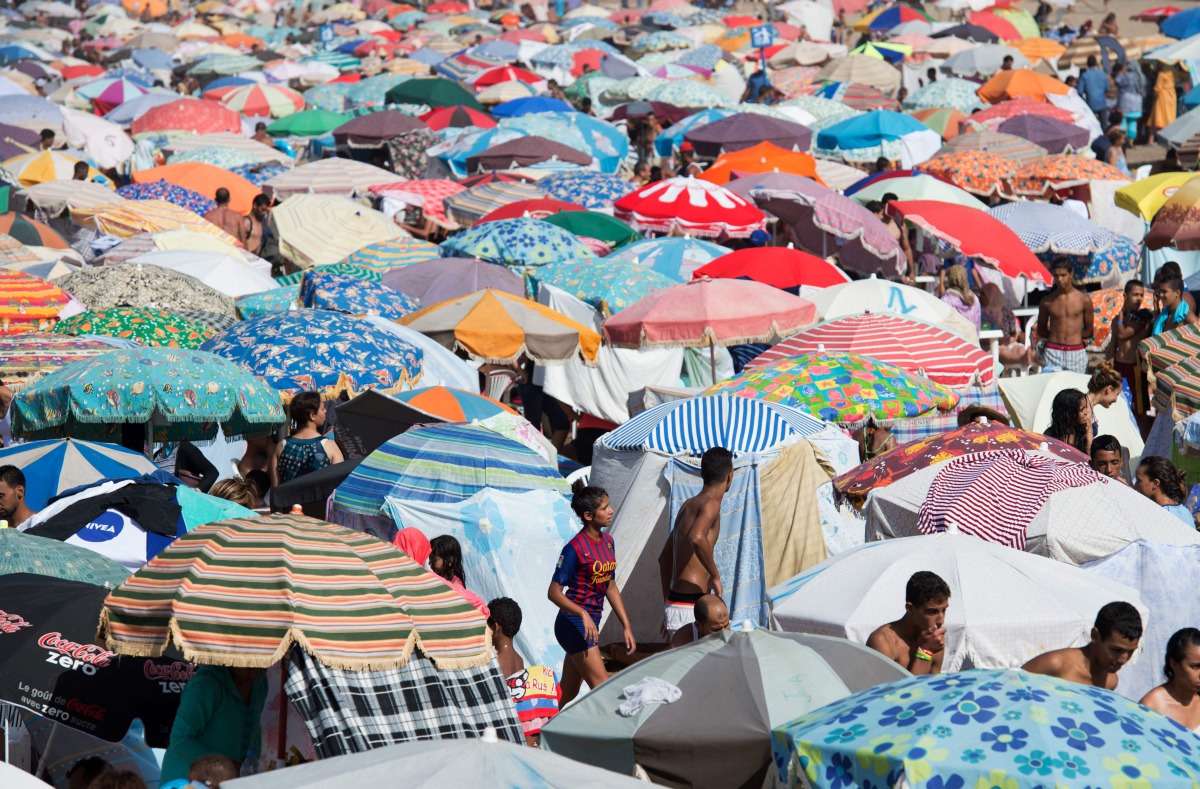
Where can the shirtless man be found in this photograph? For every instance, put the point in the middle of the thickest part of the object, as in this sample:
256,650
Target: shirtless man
686,564
226,218
1115,637
917,640
1131,326
1065,321
896,228
712,616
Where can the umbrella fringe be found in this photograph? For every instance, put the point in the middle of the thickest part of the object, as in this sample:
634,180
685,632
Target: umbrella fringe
345,384
524,351
773,335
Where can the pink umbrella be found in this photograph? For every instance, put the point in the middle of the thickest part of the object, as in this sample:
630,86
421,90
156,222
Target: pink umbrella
710,312
691,205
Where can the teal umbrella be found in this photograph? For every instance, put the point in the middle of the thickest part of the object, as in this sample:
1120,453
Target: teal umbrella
433,92
25,553
342,267
609,287
276,300
517,242
591,224
307,123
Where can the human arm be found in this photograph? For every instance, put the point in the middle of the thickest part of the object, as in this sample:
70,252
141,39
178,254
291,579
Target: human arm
6,398
1089,317
618,605
567,606
333,451
275,462
1043,321
707,519
666,565
189,458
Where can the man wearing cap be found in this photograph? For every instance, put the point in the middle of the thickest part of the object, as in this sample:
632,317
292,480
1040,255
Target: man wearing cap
687,160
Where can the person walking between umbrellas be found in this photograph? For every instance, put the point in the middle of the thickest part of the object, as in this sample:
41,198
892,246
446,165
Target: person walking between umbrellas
1115,638
1064,321
917,640
581,582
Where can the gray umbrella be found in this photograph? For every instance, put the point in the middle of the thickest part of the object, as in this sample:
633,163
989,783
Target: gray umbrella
524,151
983,60
434,281
746,130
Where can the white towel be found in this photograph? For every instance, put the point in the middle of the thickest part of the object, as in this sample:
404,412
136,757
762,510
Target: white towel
650,690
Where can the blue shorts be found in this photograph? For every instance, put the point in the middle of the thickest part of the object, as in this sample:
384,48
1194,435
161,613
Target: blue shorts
568,630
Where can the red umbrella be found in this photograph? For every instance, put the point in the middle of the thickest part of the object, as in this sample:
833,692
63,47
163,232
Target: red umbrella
533,209
692,206
457,117
1156,14
742,21
780,267
495,76
193,115
86,70
975,234
915,346
448,7
996,24
586,60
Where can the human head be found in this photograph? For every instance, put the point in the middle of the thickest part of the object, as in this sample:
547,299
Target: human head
222,196
591,504
12,492
882,164
212,769
1063,272
1159,480
1105,384
260,127
1007,63
445,558
876,207
1070,417
1110,18
125,779
1168,270
1106,456
1171,159
931,74
414,543
239,491
1183,658
712,615
261,206
957,279
306,407
1170,292
1135,291
1091,61
716,467
47,138
84,771
1116,135
504,615
1116,634
80,171
641,170
687,152
926,598
261,481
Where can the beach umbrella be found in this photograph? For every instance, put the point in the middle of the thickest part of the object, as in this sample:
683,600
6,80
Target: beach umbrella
989,241
913,185
1047,229
227,273
140,324
863,70
1176,389
586,188
985,60
280,299
827,223
977,172
29,303
184,393
307,123
1182,25
431,195
41,556
764,157
316,228
918,347
745,131
878,133
439,279
109,93
171,193
481,197
496,327
53,616
375,129
780,267
1053,135
187,115
56,466
671,137
591,224
516,242
309,350
883,296
1146,196
457,116
994,725
952,92
1177,222
993,116
737,665
1054,173
129,218
863,585
15,141
673,257
847,389
1038,48
259,101
326,291
908,458
42,166
397,603
1170,347
454,405
692,206
384,256
609,288
32,353
521,100
525,152
435,92
333,176
689,94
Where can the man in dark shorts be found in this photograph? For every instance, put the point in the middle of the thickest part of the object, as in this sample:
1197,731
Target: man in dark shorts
1131,326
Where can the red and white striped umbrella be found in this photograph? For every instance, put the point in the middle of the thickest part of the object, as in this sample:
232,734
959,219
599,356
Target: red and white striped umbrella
259,101
696,207
915,346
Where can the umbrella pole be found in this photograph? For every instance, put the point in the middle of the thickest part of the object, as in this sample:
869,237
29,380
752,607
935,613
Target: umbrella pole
712,358
281,746
45,754
150,438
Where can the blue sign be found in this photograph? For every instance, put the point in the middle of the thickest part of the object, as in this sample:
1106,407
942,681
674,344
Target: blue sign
325,33
760,36
106,526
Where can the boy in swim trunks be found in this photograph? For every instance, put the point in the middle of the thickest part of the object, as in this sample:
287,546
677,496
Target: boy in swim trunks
1065,321
686,563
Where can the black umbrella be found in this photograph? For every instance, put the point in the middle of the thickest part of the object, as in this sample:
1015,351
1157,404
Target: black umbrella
312,490
51,665
371,419
969,32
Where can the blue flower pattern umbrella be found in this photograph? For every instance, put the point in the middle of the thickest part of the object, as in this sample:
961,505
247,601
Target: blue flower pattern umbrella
325,291
258,174
986,728
176,195
267,302
516,242
586,188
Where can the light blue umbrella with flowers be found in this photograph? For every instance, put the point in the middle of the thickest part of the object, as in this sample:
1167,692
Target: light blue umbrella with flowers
953,92
661,41
587,188
986,728
609,287
325,291
517,242
706,56
691,95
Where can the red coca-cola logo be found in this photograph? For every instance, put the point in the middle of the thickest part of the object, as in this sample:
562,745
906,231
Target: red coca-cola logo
80,707
85,653
173,672
11,623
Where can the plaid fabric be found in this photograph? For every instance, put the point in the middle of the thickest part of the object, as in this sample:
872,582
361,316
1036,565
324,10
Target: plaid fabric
907,430
356,711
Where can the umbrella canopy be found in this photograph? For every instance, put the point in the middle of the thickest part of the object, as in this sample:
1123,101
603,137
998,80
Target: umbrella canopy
259,100
906,459
375,129
762,158
49,558
480,198
745,673
435,92
1013,108
850,594
882,131
316,228
185,393
675,258
333,176
1009,146
587,188
989,241
30,232
1177,223
30,353
283,563
312,350
918,347
29,303
1054,135
43,166
994,724
523,152
324,290
1062,172
384,256
171,193
977,172
779,267
984,60
917,186
188,115
136,285
228,273
439,279
1052,229
53,467
457,117
609,288
947,122
145,326
745,131
516,242
454,405
692,206
863,70
1146,196
591,224
307,123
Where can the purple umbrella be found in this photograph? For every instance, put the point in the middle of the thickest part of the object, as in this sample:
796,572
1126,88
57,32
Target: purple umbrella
775,181
375,129
524,151
16,141
440,279
746,130
1050,133
827,223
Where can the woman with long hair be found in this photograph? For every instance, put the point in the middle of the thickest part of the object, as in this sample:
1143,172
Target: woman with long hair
446,560
1179,697
1071,420
306,449
958,294
1158,480
581,583
1104,389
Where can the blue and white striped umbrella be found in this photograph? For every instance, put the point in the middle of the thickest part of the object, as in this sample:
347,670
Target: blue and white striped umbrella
692,426
51,467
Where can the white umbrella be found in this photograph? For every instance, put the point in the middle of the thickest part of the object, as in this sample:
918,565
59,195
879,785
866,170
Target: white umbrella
105,143
816,17
983,60
1075,525
223,273
1006,606
881,295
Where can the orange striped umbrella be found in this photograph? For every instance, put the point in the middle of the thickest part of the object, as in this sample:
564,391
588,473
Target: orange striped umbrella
28,303
240,592
128,219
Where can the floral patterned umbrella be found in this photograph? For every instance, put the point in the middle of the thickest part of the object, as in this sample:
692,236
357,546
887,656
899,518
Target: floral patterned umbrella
516,242
690,94
952,92
184,392
995,115
844,388
224,156
987,728
257,174
609,286
586,188
905,459
1062,172
1010,146
977,172
28,303
165,190
343,268
317,351
146,326
278,300
322,290
1107,305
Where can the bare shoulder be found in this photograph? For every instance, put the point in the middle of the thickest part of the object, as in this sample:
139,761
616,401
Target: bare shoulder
1155,698
1050,663
885,641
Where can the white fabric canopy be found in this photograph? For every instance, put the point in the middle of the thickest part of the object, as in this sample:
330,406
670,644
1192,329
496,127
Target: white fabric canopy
223,273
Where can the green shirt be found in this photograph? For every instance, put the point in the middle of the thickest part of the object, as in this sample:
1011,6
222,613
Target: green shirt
212,718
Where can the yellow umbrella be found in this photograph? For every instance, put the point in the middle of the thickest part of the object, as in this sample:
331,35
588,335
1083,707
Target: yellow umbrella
43,166
864,24
128,218
1145,197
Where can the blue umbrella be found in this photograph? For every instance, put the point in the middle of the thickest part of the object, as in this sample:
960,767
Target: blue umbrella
126,113
1185,24
675,258
154,59
672,137
323,290
868,129
516,242
223,82
587,188
531,104
164,190
57,465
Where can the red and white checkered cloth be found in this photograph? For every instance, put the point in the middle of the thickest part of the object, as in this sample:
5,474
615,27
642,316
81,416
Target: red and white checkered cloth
996,495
